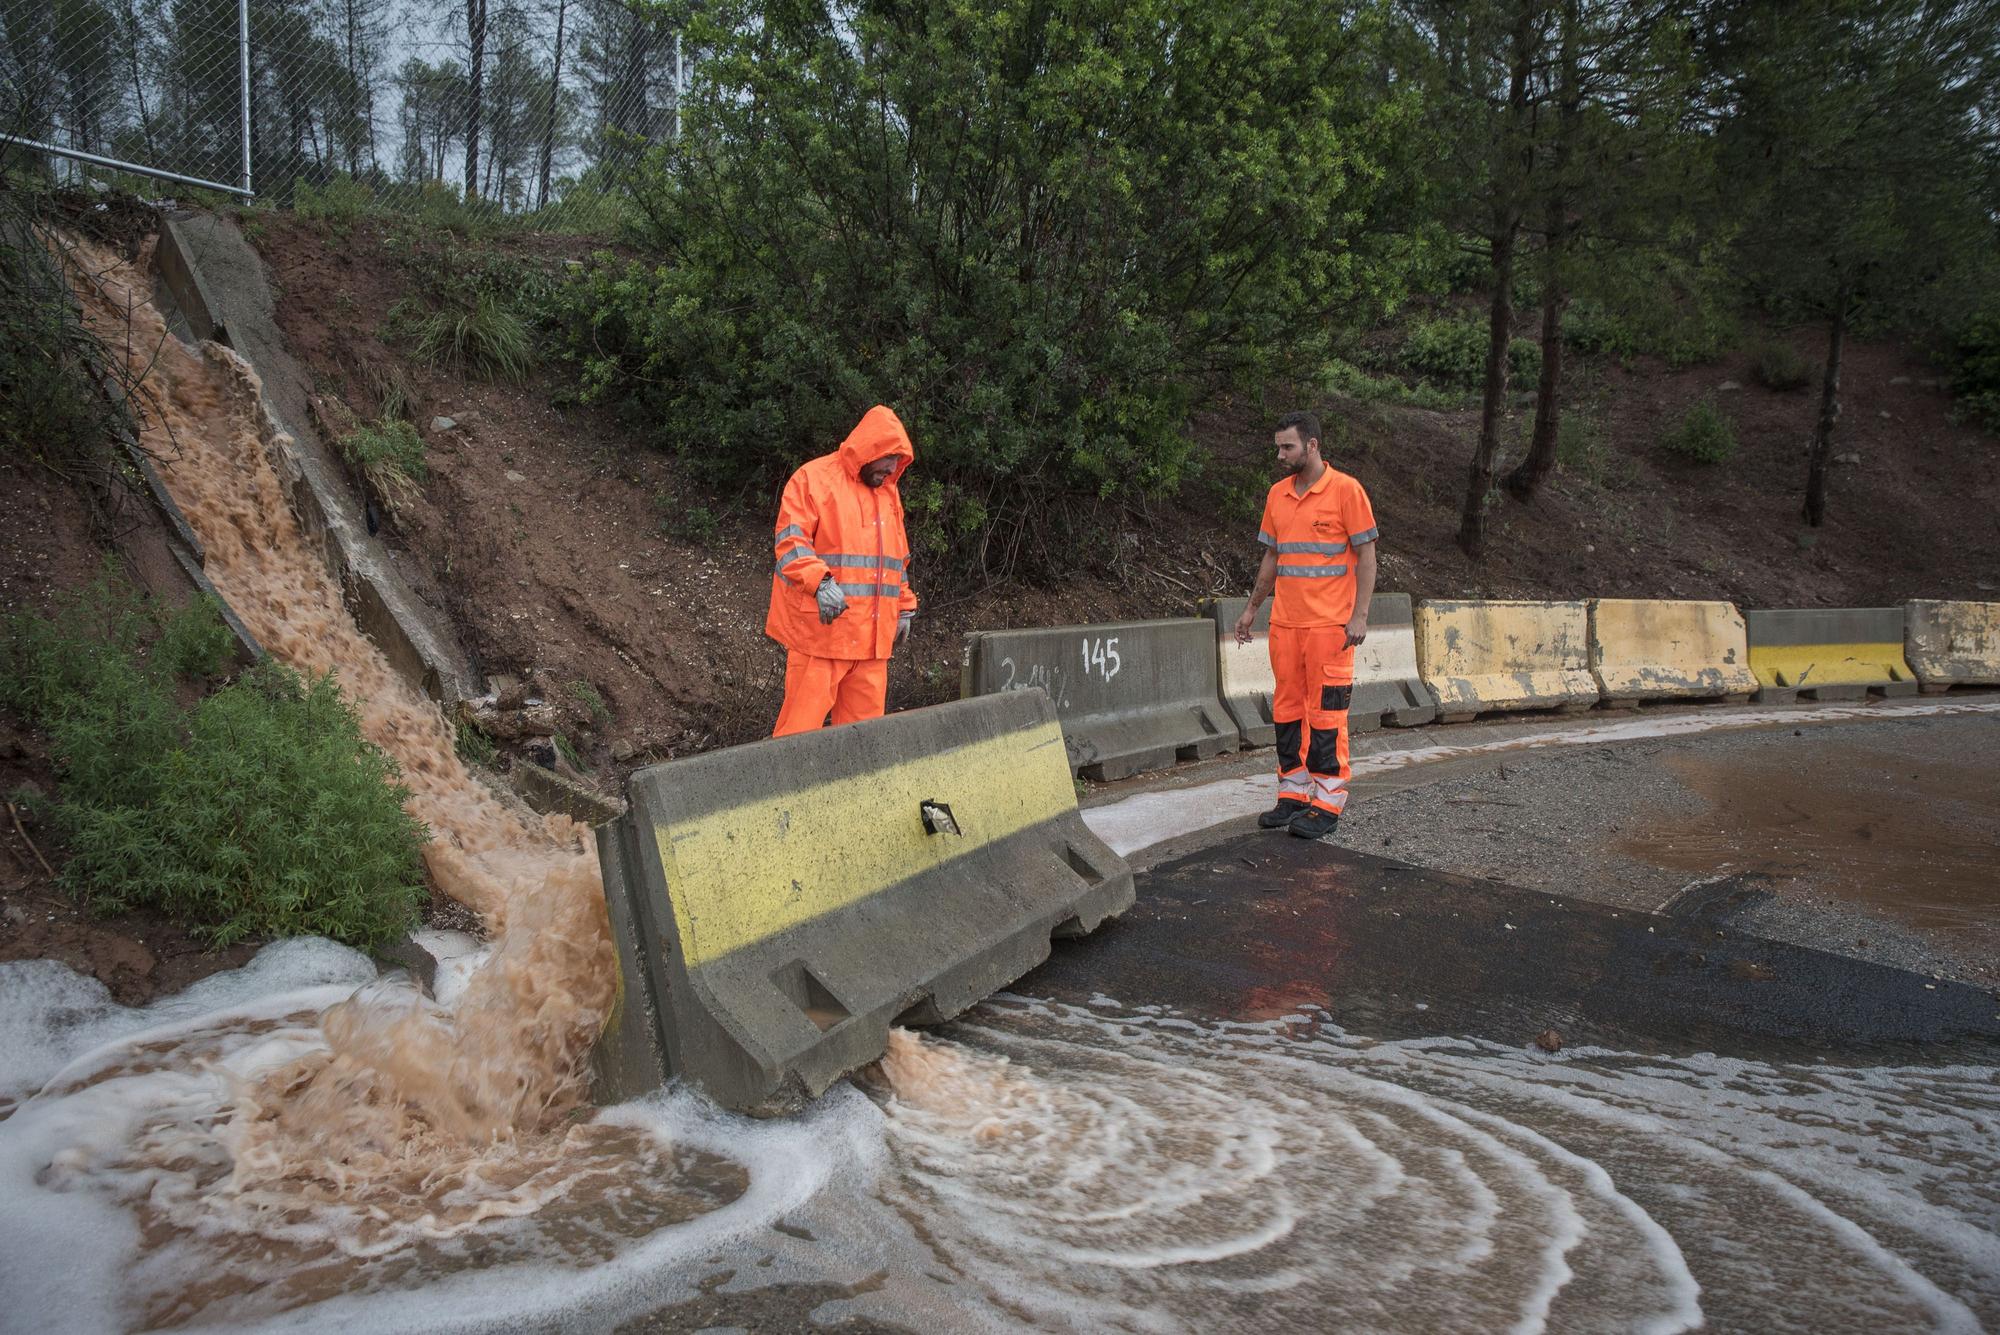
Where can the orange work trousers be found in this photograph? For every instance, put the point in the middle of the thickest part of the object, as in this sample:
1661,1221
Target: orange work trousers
851,688
1314,667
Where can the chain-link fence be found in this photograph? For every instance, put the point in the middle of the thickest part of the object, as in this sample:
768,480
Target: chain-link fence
533,109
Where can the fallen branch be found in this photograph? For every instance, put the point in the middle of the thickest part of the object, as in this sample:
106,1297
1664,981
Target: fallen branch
16,814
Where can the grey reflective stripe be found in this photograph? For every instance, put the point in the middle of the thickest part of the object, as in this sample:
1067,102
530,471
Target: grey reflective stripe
865,562
1267,540
1358,538
1315,548
788,531
1311,572
803,554
871,590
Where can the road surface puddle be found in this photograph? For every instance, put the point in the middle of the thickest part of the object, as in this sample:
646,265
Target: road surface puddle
1913,836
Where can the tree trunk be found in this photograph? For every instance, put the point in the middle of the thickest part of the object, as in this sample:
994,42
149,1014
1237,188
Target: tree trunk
1506,229
1829,412
1534,470
132,40
475,31
555,101
1541,461
1500,324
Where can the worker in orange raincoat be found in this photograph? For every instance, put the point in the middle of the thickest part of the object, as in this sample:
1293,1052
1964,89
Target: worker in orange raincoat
1319,558
840,598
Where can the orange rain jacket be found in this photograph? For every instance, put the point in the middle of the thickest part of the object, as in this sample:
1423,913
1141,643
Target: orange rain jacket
829,519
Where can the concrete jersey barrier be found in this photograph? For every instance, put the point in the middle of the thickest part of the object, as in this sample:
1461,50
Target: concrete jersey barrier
1828,653
777,907
1669,649
1952,643
1132,695
1387,689
1493,655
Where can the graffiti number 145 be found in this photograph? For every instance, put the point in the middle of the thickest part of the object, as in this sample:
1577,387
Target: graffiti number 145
1101,656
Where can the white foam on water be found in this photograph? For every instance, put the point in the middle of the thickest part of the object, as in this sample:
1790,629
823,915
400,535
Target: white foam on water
1071,1168
77,1207
459,956
1143,819
50,1014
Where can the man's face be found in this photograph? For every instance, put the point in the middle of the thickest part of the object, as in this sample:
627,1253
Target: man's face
1292,452
876,473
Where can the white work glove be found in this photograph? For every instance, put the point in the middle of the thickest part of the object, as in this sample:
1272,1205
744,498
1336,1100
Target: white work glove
903,620
832,602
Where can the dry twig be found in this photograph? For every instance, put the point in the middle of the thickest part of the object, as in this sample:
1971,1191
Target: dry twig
16,814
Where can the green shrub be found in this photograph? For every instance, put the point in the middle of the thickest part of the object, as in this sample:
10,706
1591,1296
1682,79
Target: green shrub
1452,349
1975,382
260,811
474,744
1350,381
1589,327
339,203
195,643
586,695
1583,452
390,455
685,520
1673,297
484,337
1779,365
1703,435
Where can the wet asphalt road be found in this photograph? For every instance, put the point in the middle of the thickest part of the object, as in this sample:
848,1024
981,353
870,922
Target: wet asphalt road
1259,926
1265,925
1262,926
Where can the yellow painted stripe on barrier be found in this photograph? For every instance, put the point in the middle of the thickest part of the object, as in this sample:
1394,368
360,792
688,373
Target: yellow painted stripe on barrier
1809,665
735,872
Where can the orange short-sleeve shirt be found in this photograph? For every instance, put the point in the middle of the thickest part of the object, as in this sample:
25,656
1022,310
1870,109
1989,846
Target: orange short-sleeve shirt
1316,536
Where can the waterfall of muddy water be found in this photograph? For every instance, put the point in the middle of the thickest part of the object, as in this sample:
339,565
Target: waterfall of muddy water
386,1118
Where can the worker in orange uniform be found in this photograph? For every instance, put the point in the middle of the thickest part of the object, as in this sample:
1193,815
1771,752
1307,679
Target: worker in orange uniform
1319,555
841,599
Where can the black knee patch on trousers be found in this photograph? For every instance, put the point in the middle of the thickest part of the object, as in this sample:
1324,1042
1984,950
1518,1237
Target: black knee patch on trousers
1291,745
1325,756
1335,698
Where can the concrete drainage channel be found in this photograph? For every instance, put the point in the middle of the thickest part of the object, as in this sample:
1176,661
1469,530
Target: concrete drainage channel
211,287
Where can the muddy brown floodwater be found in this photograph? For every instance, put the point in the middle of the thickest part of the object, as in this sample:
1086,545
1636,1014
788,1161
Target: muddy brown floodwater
1907,834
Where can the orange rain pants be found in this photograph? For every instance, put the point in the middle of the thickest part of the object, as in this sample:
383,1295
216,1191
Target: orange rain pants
852,688
1314,667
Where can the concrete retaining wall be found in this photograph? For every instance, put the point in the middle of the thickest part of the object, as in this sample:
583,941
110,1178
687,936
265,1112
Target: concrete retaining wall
779,906
1387,687
1952,643
1131,695
1492,656
235,309
1828,653
1668,649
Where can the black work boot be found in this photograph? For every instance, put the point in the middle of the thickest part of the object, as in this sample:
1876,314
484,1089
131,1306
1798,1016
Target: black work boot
1279,816
1313,823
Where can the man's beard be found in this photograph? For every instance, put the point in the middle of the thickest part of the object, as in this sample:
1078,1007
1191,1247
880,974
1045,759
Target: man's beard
1291,470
